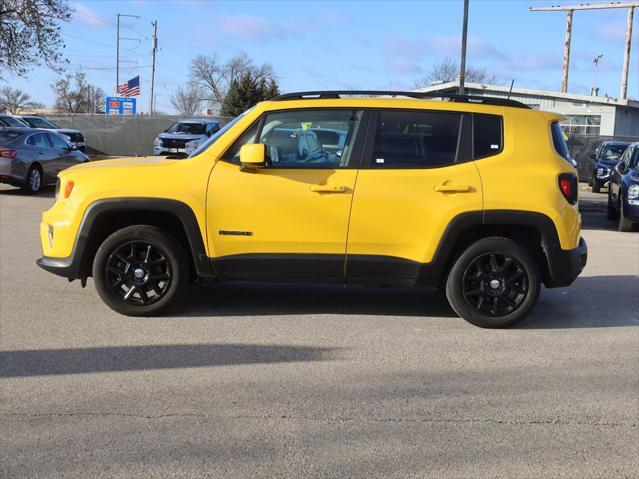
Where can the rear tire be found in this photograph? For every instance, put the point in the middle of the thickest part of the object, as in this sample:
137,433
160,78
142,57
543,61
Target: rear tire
140,271
494,283
33,182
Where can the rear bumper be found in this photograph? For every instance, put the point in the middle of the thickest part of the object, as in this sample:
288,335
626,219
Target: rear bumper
565,265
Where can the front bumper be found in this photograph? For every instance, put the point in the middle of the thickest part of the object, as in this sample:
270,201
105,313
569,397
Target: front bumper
565,265
64,267
170,151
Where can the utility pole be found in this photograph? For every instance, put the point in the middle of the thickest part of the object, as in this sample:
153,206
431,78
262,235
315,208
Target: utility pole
117,48
117,57
626,54
600,6
155,47
462,69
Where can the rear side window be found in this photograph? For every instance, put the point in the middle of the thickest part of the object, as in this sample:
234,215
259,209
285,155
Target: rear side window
488,136
414,139
38,140
559,141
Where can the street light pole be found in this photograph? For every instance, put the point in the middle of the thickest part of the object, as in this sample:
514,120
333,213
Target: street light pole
462,70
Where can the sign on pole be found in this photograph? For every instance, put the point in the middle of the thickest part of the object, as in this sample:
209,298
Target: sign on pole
117,105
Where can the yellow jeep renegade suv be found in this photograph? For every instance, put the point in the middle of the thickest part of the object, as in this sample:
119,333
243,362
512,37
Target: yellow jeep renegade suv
474,195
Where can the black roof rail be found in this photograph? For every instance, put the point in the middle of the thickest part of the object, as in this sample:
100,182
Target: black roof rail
455,97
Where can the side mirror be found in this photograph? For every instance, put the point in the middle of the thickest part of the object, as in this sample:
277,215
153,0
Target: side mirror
593,156
621,167
253,156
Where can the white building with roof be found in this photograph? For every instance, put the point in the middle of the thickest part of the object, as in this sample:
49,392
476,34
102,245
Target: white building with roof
587,114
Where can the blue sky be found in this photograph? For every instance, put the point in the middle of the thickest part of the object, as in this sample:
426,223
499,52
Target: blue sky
342,44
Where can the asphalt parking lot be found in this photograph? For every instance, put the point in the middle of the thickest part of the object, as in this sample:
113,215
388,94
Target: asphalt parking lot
316,381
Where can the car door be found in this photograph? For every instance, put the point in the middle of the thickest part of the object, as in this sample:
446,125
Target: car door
41,152
615,176
64,157
289,219
415,178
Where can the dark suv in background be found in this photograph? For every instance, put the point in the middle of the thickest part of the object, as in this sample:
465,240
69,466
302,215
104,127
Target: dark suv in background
623,193
606,157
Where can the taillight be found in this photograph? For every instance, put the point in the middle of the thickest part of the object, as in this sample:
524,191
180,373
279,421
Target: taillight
568,187
8,153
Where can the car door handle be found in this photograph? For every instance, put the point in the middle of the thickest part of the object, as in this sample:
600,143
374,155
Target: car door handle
452,188
328,189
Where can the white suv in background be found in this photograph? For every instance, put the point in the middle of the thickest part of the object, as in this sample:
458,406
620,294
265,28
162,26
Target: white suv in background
184,137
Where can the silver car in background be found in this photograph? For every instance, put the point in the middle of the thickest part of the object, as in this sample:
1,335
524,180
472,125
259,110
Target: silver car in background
31,158
75,137
184,137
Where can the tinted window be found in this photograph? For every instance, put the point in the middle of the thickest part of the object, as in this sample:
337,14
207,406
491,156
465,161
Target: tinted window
36,122
559,141
7,136
634,159
11,121
487,131
38,140
416,139
292,142
188,128
613,152
58,142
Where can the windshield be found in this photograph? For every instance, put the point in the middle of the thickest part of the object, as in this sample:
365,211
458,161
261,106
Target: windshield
11,121
36,122
613,152
207,144
188,128
634,160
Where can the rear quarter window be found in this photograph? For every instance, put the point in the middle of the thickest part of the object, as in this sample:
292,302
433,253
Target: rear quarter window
559,142
487,135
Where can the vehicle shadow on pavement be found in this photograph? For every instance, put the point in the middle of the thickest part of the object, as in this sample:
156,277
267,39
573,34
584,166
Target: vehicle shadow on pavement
270,299
46,192
590,302
134,358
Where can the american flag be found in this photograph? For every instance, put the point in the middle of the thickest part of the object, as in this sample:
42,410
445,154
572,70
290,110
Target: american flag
130,88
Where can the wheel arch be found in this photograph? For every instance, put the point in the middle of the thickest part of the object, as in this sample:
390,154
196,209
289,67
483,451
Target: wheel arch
535,231
104,217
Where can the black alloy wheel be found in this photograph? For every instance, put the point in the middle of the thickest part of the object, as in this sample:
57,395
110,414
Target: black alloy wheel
495,284
139,272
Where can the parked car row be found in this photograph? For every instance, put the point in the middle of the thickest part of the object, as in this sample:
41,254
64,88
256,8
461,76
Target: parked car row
617,169
74,137
33,157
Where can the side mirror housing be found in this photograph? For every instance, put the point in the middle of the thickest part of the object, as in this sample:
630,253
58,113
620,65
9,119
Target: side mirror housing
253,156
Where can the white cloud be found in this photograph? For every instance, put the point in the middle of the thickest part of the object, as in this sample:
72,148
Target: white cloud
88,17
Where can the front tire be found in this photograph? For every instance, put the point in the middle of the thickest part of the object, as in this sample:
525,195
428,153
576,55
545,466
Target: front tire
140,271
625,225
494,283
596,188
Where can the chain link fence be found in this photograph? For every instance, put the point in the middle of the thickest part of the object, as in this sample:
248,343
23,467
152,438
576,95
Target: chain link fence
120,135
581,148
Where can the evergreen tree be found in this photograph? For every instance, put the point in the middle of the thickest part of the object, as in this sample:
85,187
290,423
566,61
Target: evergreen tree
246,92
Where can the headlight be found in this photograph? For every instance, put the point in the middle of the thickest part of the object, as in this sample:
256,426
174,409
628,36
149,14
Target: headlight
157,142
602,172
633,191
193,145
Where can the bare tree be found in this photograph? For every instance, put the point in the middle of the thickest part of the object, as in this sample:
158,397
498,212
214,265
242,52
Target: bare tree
16,100
448,70
30,33
75,95
216,77
188,100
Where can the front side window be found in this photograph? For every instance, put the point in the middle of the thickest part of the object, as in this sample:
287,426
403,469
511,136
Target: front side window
415,139
487,131
58,142
296,139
